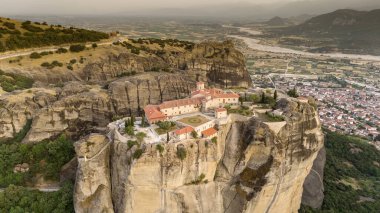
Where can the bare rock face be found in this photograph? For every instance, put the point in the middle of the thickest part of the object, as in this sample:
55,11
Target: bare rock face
18,107
92,191
131,95
78,109
77,113
254,167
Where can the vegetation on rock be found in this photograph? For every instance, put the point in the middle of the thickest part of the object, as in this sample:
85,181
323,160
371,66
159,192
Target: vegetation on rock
10,82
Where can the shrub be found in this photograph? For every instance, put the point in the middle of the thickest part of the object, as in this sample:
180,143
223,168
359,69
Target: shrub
35,55
131,143
181,153
9,25
70,67
52,64
77,48
160,148
61,50
137,154
199,180
214,140
140,136
94,45
73,61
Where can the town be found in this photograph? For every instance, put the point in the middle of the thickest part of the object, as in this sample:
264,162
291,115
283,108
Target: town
347,91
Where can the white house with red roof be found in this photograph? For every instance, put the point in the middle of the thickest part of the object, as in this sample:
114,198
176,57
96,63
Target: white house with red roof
184,133
221,113
209,133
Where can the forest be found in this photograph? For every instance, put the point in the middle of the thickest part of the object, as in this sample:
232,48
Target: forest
15,35
352,175
44,158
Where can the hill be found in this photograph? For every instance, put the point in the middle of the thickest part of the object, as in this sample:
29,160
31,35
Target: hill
348,30
16,34
352,174
277,21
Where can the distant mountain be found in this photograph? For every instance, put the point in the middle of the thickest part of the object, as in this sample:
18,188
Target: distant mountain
277,21
342,22
350,29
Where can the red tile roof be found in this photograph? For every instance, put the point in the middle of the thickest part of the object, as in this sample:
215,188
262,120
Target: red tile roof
153,112
185,130
208,132
180,102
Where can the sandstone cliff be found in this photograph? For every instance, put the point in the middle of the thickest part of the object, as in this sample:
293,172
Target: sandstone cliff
254,167
214,62
79,109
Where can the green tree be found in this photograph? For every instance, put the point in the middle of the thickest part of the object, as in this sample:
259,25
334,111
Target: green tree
130,130
214,140
263,98
140,136
293,93
137,154
160,148
194,134
275,95
181,153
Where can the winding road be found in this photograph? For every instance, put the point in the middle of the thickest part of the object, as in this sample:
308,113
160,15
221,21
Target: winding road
12,54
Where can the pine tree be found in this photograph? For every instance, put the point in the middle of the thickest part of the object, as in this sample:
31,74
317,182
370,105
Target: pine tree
263,98
275,95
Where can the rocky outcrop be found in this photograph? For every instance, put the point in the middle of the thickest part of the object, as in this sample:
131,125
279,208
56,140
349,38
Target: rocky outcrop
78,109
131,95
92,191
313,186
18,107
255,166
217,63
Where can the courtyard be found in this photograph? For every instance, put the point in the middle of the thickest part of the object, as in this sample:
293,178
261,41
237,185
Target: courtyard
194,121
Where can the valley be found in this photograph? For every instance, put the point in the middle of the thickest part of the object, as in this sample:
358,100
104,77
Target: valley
190,114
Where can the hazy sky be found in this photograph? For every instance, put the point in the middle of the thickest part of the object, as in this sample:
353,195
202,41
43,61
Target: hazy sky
22,7
125,7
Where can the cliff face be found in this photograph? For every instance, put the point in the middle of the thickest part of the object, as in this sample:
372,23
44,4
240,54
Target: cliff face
93,163
79,109
214,62
254,167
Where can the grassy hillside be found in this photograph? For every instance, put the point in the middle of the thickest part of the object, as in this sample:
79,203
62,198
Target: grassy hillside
347,30
18,35
352,176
